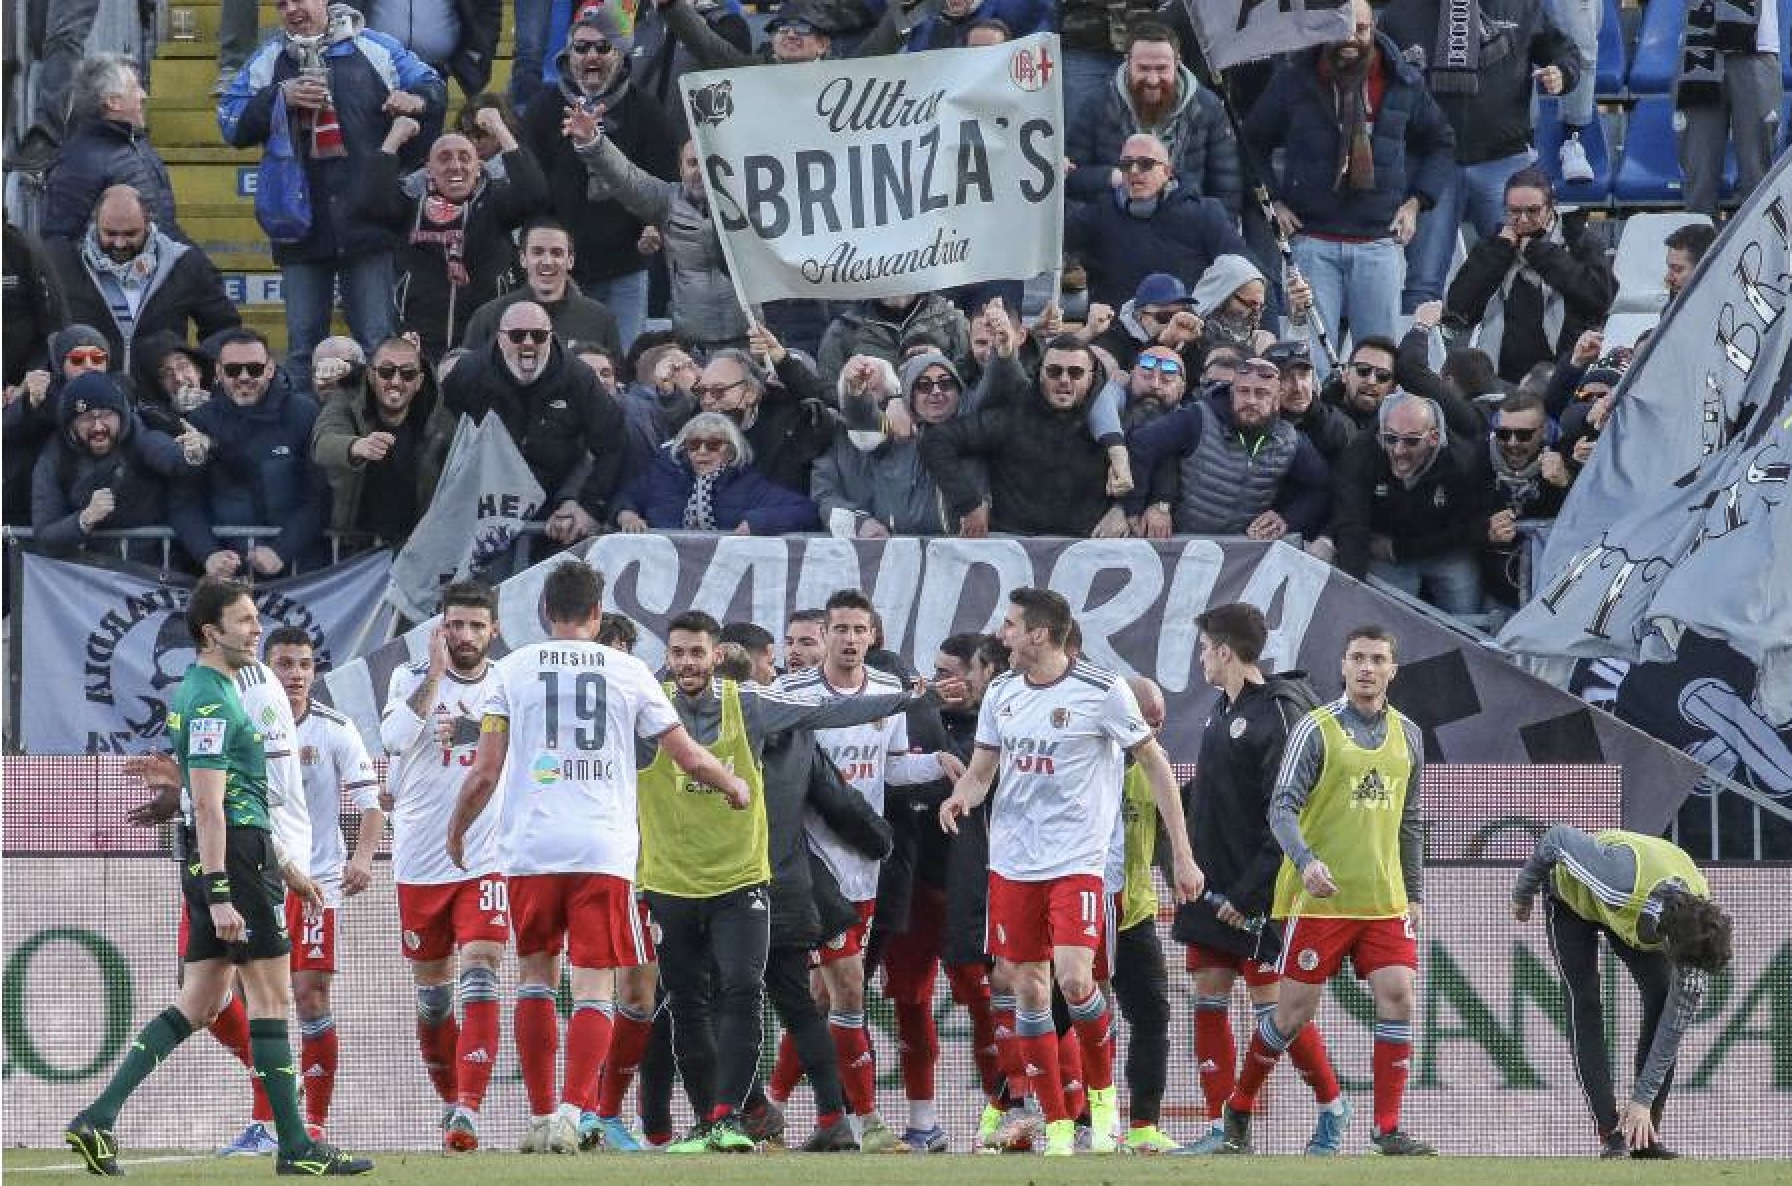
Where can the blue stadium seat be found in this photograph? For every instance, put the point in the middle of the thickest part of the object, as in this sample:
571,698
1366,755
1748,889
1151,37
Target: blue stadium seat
1649,174
1596,192
1657,57
1612,66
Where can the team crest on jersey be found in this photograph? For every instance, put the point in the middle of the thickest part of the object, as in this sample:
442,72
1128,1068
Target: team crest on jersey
1060,718
412,940
308,755
1237,728
1307,960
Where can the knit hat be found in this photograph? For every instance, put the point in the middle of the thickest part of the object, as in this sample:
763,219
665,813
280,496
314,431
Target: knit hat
917,366
95,391
74,337
604,19
1225,276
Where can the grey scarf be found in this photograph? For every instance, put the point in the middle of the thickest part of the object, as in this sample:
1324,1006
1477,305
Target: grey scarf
1517,488
133,273
1457,60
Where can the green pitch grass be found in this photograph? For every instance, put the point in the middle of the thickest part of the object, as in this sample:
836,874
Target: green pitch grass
510,1169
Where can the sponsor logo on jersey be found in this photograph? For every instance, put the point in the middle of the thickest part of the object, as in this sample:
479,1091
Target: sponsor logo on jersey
545,770
1371,791
498,920
1307,960
206,710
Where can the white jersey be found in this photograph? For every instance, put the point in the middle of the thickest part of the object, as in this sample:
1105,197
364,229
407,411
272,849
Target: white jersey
575,709
425,777
870,757
334,763
1062,770
264,700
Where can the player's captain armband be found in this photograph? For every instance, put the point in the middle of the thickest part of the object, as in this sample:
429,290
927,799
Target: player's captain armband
205,737
492,723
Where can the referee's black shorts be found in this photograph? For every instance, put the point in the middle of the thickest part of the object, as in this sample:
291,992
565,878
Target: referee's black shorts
256,890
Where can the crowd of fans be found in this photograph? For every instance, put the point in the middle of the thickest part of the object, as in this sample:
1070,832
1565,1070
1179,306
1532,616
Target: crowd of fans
504,260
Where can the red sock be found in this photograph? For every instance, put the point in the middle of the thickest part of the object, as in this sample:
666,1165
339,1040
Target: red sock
1039,1070
1259,1061
920,1040
1215,1052
587,1041
437,1042
627,1042
476,1051
1393,1051
537,1032
983,1046
787,1072
1308,1054
1070,1074
858,1073
317,1055
231,1029
1010,1060
1095,1033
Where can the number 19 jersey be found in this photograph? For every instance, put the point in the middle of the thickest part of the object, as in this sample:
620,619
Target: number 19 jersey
574,709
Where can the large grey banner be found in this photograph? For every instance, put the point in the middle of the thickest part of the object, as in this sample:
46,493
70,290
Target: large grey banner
102,646
1136,601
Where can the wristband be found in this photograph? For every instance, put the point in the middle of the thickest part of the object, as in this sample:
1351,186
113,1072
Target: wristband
217,888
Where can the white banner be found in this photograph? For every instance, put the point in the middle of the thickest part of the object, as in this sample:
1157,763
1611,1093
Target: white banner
885,176
1233,31
101,647
485,495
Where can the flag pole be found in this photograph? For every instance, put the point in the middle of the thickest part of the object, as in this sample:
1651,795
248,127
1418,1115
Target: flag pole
1258,170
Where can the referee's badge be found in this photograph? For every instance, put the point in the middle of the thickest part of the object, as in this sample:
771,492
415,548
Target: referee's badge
1060,718
1237,728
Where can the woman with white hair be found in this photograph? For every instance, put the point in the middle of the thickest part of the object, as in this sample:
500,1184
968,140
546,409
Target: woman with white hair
703,480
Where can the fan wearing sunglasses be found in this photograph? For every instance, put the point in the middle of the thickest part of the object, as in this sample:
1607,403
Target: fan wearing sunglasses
596,78
1228,464
382,444
571,433
1411,506
30,417
1048,475
1530,481
260,470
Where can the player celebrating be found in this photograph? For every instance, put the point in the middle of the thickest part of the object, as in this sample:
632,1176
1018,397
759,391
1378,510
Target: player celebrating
1057,730
232,887
1655,910
869,756
1346,814
431,727
558,730
705,870
1241,753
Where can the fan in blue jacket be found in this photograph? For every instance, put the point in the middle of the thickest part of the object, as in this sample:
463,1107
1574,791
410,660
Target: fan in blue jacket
259,473
704,480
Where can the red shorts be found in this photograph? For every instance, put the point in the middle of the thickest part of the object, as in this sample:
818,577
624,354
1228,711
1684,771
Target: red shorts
1254,973
436,919
1029,918
1313,948
911,959
313,939
594,915
849,942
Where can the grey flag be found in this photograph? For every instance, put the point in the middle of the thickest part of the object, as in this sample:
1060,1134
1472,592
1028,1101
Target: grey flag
485,495
1233,31
1699,380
